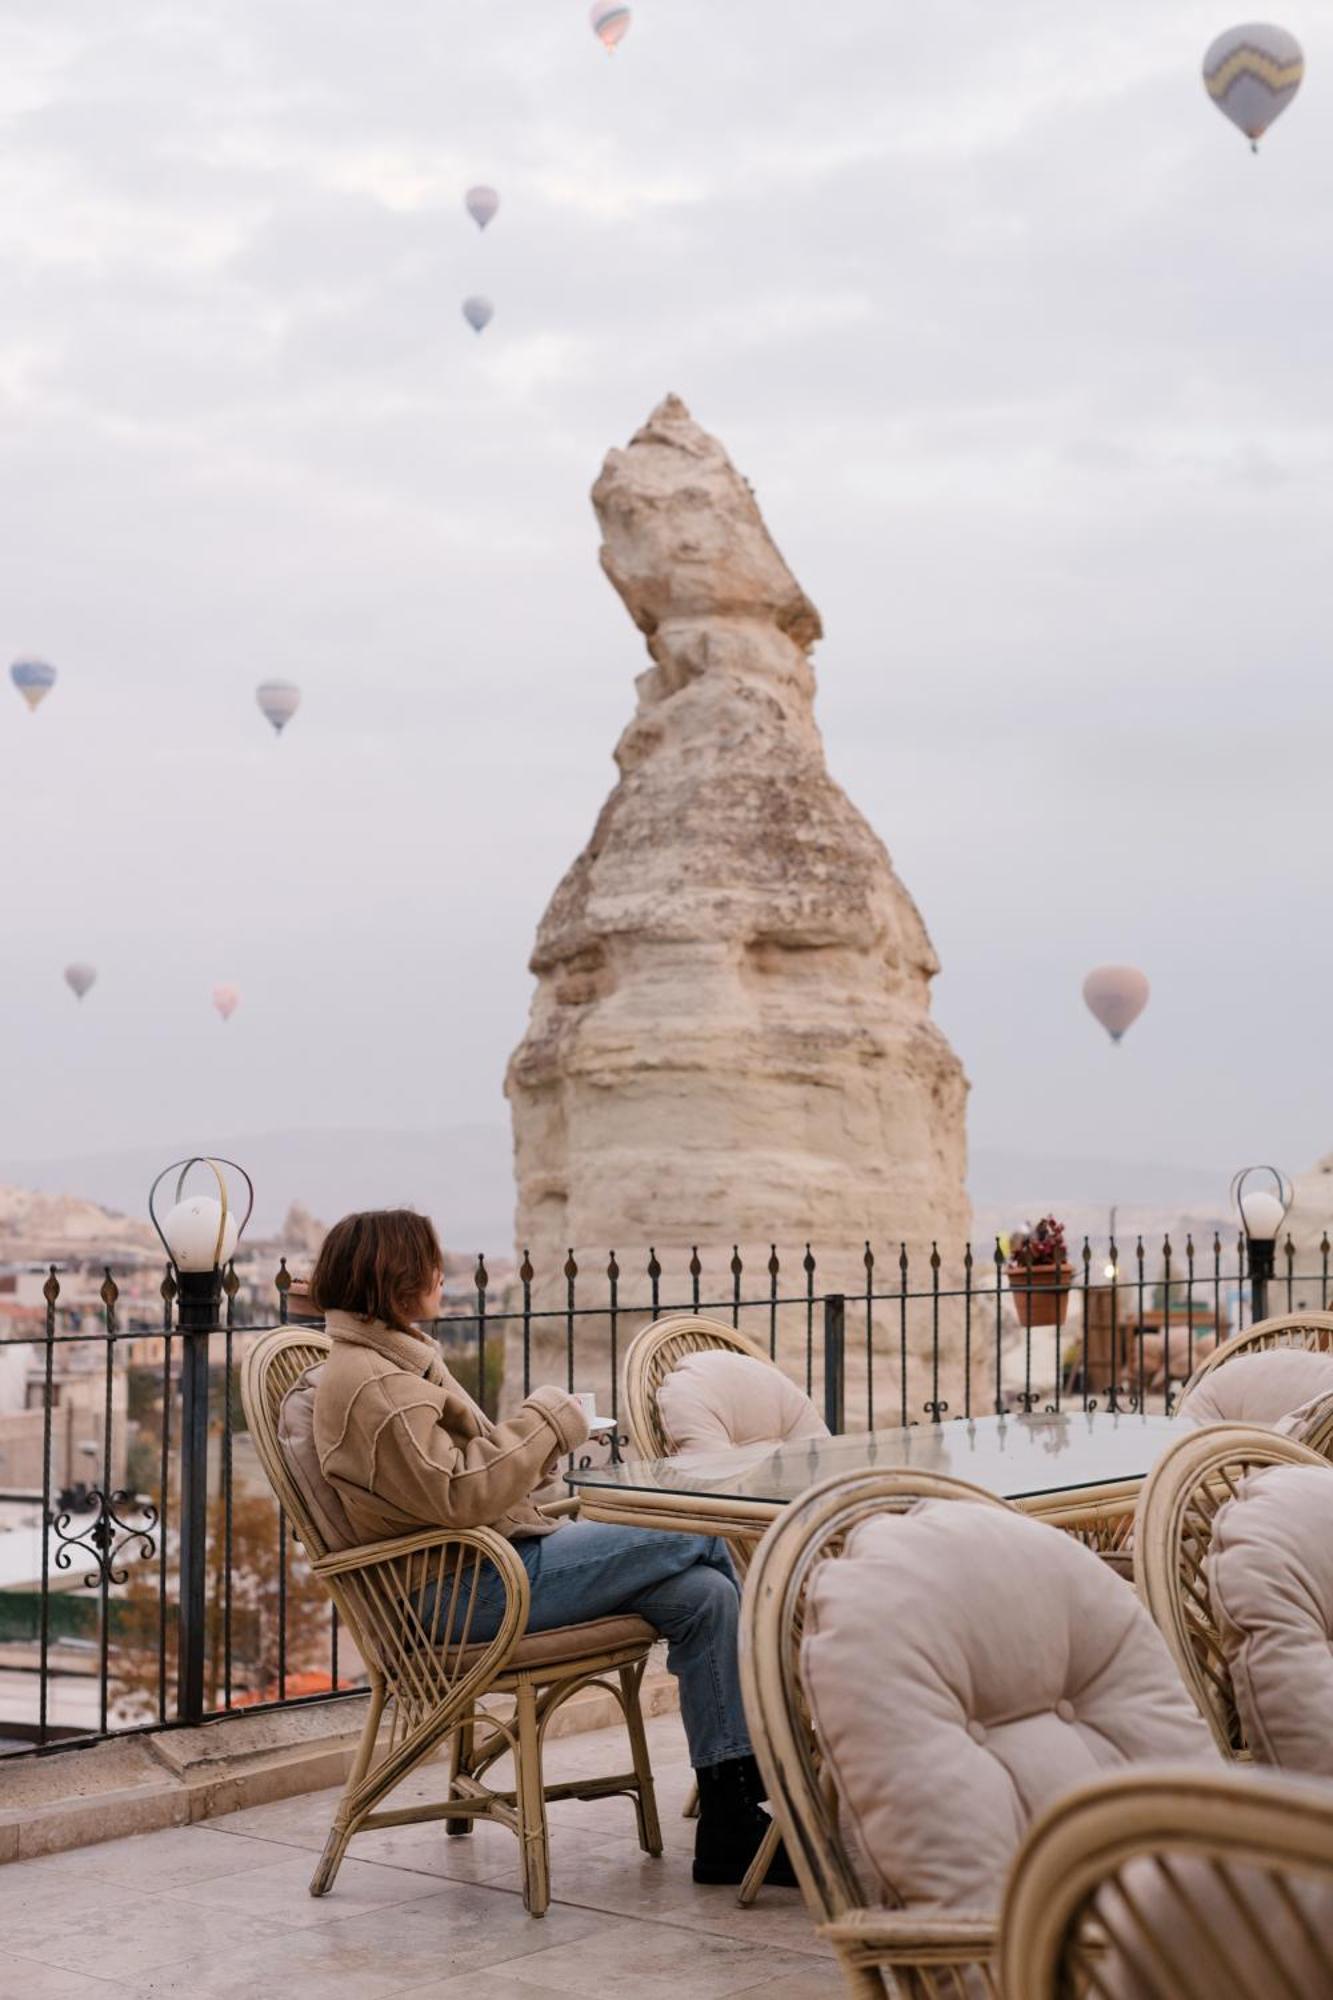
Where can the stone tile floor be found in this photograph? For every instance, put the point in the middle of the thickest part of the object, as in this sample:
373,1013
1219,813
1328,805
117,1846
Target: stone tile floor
221,1911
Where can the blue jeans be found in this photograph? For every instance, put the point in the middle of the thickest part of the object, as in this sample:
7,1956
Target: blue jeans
682,1584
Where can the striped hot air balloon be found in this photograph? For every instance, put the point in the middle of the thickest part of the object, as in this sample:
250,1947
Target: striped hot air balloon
478,313
279,701
34,680
1252,74
610,22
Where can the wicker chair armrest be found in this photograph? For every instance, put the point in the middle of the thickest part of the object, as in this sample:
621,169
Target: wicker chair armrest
561,1510
916,1937
487,1541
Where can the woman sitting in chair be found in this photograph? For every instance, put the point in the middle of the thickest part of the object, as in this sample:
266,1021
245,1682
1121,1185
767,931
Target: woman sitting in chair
405,1447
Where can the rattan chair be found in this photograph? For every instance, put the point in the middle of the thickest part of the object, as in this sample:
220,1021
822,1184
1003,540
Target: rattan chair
1175,1885
928,1956
1172,1535
1310,1330
433,1694
653,1353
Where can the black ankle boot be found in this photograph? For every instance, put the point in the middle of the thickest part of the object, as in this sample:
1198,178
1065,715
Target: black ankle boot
732,1823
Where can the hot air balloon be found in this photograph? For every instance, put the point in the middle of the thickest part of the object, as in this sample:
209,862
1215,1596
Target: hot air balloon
478,313
1252,74
226,999
1117,995
481,204
79,977
34,680
610,22
279,701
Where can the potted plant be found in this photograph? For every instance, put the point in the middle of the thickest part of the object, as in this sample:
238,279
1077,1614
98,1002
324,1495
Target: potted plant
1039,1273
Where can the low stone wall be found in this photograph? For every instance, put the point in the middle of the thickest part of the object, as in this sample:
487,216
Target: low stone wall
175,1777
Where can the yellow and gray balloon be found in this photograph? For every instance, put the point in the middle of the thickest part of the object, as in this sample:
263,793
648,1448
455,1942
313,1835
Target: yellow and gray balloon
1252,74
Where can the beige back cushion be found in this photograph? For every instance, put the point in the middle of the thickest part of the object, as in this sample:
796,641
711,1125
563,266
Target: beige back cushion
713,1399
1260,1388
296,1437
1270,1579
1219,1944
965,1665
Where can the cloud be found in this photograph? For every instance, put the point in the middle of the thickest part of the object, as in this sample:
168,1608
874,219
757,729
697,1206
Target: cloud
1022,350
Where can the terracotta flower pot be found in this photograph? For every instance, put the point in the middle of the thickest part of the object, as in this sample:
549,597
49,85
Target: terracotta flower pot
1041,1292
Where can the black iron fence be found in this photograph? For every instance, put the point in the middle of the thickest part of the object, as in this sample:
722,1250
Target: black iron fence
148,1578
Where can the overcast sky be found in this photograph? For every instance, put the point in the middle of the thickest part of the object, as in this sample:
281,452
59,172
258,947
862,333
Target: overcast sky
1025,354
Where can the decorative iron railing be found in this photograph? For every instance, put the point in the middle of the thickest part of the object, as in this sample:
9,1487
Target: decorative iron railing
125,1413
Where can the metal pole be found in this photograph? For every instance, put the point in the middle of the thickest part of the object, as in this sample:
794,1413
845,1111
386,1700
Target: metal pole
197,1315
1261,1270
835,1361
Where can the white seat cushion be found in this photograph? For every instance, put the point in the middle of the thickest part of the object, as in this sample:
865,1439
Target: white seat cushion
1270,1578
965,1666
715,1398
1260,1388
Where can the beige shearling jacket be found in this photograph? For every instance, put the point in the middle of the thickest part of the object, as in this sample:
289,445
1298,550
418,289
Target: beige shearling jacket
405,1447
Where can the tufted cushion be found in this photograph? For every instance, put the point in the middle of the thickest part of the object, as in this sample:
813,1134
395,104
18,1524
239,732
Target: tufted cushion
713,1399
296,1437
965,1665
1270,1578
1260,1388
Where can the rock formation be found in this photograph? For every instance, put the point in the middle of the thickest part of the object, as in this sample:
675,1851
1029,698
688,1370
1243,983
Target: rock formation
730,1041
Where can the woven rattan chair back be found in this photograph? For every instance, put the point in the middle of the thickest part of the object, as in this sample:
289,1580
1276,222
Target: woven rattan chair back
810,1531
273,1366
653,1354
1174,1885
1310,1330
1173,1531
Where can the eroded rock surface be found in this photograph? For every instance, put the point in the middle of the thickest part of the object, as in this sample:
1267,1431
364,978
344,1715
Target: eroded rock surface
730,1041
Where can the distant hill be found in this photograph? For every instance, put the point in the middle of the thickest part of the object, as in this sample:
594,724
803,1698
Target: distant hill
462,1176
1150,1199
458,1174
997,1176
38,1227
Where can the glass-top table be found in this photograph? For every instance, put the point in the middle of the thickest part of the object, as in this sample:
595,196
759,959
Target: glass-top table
1076,1467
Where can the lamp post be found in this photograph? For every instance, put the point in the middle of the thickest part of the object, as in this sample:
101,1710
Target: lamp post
199,1233
1263,1210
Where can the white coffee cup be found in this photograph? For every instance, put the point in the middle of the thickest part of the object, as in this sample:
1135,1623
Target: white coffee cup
587,1402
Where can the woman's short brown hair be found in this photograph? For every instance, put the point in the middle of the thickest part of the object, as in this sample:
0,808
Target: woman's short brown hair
379,1264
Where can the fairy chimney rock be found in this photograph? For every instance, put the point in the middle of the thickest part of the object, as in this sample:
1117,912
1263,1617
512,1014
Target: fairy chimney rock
730,1040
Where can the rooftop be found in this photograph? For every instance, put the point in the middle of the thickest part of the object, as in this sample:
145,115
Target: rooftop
221,1910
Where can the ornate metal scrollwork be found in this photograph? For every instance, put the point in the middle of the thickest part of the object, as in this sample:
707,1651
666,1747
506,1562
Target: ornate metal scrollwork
107,1537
